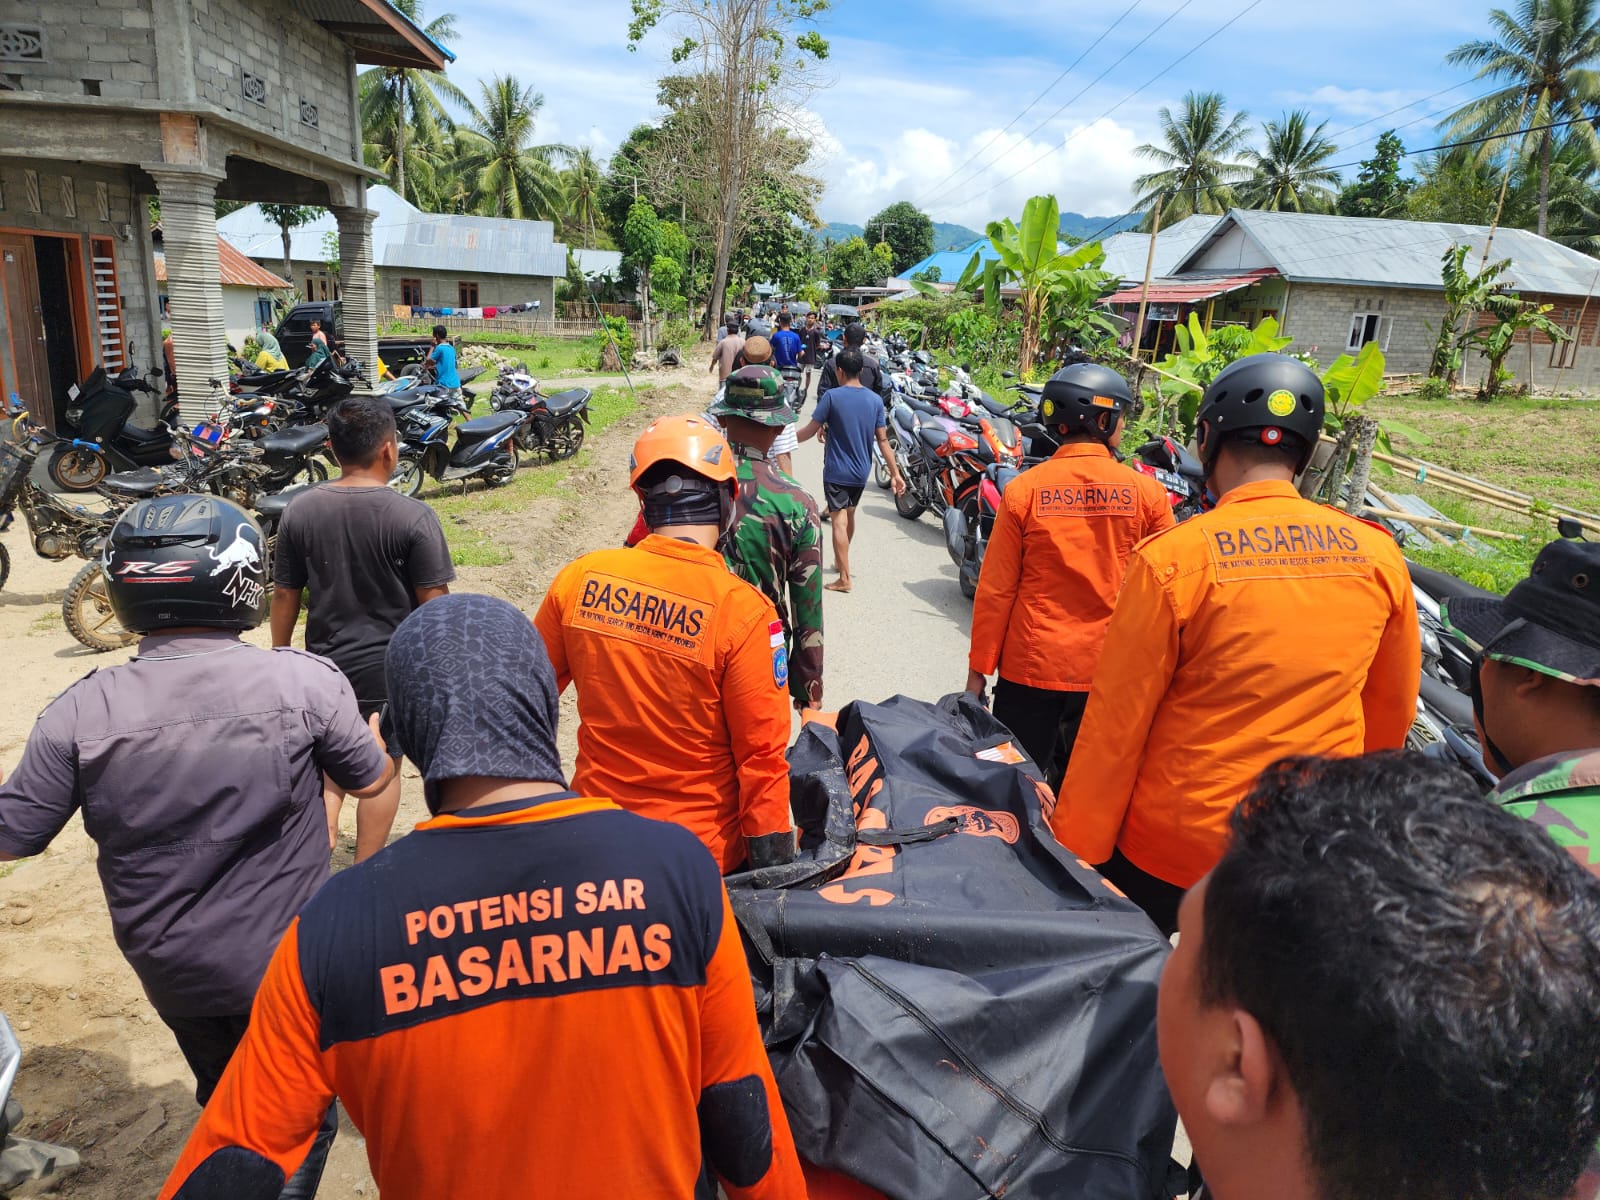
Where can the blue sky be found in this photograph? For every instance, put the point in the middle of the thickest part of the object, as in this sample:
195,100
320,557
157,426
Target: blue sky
914,88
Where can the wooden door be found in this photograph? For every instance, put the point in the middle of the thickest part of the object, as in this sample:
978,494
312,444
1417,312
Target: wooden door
25,323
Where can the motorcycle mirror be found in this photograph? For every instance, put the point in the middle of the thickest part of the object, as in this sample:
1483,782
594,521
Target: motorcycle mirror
1008,374
1570,527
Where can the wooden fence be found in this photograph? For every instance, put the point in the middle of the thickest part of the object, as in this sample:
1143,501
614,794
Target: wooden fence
532,324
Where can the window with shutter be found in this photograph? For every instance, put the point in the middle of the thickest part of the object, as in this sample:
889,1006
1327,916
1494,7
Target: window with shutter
107,304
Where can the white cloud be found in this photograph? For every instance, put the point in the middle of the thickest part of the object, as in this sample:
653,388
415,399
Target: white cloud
1356,102
1089,168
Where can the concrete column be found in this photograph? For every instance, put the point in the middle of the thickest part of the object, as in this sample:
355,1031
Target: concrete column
194,283
358,289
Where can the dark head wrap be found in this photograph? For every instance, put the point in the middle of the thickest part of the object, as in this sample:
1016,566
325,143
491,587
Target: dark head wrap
472,692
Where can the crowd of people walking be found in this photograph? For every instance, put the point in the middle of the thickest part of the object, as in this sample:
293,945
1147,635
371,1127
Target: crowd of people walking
1385,985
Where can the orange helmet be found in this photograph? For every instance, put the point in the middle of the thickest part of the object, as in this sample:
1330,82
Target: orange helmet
690,441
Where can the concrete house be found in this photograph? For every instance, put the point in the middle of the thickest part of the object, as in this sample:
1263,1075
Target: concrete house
422,259
107,103
1336,283
249,292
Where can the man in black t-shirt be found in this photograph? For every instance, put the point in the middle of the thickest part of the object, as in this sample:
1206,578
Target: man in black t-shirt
370,556
872,374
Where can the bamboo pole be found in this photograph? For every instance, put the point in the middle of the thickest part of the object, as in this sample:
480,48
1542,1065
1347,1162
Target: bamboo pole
1438,523
1144,292
1433,535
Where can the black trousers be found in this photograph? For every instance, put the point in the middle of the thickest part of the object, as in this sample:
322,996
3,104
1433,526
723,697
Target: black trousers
207,1044
1157,897
1045,722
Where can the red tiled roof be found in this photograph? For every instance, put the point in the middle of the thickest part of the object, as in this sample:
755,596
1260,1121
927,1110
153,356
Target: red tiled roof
237,270
1181,290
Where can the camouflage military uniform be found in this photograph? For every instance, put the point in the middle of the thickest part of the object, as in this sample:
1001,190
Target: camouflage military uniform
776,538
1561,794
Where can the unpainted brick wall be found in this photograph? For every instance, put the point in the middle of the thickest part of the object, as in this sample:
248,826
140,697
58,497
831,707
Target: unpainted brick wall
108,43
295,58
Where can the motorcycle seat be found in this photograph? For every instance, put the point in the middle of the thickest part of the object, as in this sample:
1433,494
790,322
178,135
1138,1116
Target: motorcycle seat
568,400
138,483
901,416
1445,700
148,437
932,436
1440,585
298,439
273,505
1188,465
491,424
400,401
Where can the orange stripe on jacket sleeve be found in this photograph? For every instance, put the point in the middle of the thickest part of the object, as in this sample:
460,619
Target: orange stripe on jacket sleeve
273,1095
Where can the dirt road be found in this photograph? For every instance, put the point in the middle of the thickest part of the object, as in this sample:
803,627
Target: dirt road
101,1072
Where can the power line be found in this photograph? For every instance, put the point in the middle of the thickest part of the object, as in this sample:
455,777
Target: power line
934,198
934,190
1202,42
1338,133
1168,193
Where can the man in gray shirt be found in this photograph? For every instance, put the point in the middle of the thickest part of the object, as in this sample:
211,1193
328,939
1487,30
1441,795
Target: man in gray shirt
369,557
198,769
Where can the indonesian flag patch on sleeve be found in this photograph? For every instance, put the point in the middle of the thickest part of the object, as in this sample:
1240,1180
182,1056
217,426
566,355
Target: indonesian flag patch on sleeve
775,634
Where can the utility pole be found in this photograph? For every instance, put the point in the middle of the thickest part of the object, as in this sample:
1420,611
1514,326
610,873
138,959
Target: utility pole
1144,293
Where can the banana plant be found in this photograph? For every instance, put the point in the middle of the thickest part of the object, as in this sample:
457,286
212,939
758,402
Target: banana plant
1056,288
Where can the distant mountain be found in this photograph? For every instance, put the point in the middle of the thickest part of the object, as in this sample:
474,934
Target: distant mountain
1077,225
945,236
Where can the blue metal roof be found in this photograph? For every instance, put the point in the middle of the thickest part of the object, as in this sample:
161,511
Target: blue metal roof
952,262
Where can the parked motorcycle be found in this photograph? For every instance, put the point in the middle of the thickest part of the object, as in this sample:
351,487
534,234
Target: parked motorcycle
942,452
58,530
100,437
1176,470
484,448
23,1159
553,425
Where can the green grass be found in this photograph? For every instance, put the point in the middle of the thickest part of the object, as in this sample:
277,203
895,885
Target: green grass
470,545
1542,447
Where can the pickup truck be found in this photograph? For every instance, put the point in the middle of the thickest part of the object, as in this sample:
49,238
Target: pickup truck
294,336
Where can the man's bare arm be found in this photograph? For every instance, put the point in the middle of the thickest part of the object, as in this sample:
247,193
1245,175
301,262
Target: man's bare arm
285,612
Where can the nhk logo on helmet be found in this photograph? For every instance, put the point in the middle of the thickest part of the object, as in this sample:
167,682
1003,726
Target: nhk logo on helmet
244,587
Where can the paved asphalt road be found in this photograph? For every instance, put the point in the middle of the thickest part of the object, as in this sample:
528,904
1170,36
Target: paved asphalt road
904,627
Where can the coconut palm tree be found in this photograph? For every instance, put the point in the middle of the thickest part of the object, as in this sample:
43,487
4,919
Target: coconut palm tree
1198,160
399,104
581,183
1546,53
509,177
1288,171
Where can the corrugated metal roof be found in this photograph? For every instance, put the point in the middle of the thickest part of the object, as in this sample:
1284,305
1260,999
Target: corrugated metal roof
404,236
1126,252
378,33
236,270
951,262
1186,289
595,263
1314,248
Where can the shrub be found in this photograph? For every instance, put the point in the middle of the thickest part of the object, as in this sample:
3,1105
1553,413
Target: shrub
676,333
1433,389
621,331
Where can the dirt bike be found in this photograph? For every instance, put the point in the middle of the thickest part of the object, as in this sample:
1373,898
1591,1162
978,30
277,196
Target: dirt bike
60,530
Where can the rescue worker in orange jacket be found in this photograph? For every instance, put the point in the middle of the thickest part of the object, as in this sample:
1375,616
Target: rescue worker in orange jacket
533,993
1055,563
679,664
1266,627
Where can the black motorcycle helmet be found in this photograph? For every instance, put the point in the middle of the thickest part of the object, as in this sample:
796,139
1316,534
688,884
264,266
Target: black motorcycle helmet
1272,393
1086,398
186,560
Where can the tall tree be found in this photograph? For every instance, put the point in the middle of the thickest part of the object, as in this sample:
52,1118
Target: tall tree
1379,190
749,60
907,229
287,217
1458,186
580,186
1289,172
1199,158
1546,53
642,244
395,101
509,177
